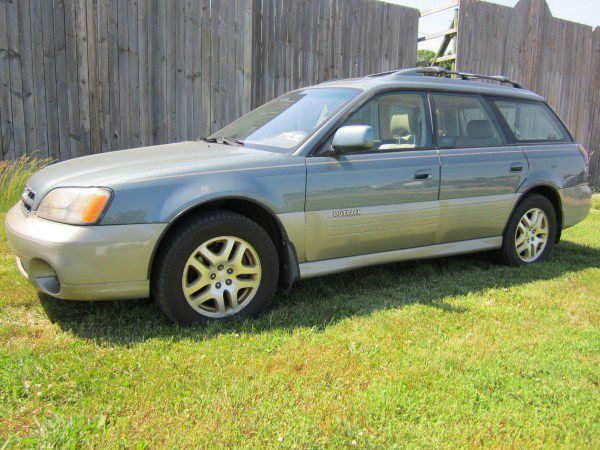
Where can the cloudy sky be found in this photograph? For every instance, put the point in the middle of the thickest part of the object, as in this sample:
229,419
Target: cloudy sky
583,11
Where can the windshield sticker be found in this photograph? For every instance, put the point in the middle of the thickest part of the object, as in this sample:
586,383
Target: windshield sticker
292,136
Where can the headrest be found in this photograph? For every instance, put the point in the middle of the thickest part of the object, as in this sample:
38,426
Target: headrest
399,125
479,129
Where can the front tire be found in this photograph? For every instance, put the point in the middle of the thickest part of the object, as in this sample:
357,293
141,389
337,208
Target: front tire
531,232
215,266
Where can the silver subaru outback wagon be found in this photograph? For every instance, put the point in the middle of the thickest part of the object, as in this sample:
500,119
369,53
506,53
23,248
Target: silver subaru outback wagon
349,173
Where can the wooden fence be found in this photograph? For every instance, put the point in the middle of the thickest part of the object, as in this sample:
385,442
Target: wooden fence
304,42
87,76
594,106
556,58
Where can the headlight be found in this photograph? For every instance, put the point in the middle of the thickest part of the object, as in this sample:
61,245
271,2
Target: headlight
77,206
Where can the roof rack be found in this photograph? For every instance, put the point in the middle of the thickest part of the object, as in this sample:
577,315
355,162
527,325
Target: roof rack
436,70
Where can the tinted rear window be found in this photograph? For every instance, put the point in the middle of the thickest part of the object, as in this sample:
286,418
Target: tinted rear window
532,121
463,120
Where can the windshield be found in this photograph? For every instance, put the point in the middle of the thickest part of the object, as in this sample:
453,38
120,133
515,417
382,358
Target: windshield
283,124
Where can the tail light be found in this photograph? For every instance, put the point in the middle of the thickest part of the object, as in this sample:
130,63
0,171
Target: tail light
586,157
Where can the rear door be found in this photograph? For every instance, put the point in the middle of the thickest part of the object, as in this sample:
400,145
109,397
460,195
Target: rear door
380,199
480,170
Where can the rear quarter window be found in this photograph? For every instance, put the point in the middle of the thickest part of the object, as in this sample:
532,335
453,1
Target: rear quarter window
531,121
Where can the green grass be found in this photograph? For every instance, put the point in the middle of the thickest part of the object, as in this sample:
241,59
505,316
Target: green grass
596,201
449,353
14,175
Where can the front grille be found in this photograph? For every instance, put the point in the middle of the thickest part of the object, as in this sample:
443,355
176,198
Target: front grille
27,198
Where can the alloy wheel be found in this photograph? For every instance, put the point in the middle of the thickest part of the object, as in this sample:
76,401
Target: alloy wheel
531,235
221,276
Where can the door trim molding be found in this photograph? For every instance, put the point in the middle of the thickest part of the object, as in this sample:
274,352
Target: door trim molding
329,266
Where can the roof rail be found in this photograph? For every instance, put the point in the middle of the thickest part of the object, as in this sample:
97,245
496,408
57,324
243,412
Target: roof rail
388,72
436,70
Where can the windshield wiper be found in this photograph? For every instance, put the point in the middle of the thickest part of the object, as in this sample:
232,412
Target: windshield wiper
224,140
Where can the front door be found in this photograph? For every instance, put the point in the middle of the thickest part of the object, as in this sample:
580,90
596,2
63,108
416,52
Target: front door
380,199
480,171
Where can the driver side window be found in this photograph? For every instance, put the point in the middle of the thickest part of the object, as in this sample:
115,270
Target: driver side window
399,121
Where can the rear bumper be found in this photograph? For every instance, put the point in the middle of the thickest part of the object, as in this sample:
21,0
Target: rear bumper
83,262
576,202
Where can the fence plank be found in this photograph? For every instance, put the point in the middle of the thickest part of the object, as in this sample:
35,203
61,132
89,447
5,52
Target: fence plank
123,83
81,49
7,148
16,83
188,52
247,36
62,86
221,57
103,75
93,74
171,33
143,76
50,81
112,41
196,129
214,65
205,49
161,74
152,72
28,90
39,87
181,86
72,79
134,62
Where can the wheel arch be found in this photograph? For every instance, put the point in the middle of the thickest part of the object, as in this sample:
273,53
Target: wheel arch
254,210
551,193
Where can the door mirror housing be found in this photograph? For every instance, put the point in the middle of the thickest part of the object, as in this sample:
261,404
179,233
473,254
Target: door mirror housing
353,137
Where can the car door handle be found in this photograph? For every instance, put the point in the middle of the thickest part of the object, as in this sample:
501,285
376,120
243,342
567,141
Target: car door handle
516,167
423,175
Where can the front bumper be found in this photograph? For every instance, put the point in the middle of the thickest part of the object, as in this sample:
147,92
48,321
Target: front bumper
83,262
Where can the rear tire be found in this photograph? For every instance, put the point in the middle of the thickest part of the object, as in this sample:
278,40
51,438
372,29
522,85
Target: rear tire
217,265
531,232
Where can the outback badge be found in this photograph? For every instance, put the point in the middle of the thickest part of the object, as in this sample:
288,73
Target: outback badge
346,212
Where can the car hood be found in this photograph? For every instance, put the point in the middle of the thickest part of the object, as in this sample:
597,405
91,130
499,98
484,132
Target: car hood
126,166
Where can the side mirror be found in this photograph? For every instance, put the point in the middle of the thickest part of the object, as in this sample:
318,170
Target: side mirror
353,137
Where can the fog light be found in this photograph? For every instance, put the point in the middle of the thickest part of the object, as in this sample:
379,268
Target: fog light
44,276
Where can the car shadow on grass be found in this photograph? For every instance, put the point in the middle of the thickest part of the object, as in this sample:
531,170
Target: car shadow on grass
320,302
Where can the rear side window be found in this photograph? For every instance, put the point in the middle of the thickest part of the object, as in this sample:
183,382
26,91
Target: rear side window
531,121
464,121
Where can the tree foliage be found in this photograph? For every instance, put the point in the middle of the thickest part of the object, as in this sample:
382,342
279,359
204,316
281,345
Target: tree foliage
425,56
